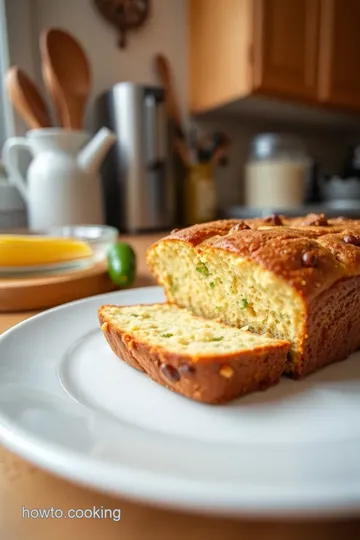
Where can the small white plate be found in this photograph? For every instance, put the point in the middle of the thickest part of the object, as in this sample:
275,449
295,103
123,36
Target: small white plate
41,269
70,406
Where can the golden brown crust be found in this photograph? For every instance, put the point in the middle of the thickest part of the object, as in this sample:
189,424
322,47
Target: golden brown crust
281,249
318,257
217,379
333,327
200,233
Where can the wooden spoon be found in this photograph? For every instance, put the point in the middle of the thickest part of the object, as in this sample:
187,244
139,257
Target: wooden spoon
48,81
163,69
27,99
219,155
67,75
182,151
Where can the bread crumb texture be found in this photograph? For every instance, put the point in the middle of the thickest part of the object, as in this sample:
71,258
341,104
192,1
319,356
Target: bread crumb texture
244,294
180,332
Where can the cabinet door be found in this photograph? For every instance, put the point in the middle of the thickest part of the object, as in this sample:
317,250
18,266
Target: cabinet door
286,39
220,34
339,69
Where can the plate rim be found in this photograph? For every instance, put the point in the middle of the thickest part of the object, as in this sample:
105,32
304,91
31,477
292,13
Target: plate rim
139,486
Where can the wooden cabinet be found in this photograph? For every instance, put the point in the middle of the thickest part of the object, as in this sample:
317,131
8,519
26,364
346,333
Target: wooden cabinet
303,50
339,65
219,49
285,44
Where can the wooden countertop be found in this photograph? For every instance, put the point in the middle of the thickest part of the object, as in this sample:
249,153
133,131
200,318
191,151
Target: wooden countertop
21,484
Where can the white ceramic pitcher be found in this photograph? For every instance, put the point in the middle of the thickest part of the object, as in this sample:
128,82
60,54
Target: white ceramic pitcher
63,180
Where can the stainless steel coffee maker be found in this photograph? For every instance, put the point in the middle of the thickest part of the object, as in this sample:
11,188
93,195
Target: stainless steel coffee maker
139,173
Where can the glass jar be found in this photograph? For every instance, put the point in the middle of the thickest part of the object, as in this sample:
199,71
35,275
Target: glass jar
277,171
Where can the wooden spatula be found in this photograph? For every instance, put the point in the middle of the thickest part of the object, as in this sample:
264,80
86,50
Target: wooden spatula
49,83
163,69
67,75
27,99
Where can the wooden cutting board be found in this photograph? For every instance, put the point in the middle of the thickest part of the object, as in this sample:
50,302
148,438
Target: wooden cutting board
42,292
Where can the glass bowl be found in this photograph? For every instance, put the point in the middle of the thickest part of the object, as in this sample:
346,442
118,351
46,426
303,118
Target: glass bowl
99,237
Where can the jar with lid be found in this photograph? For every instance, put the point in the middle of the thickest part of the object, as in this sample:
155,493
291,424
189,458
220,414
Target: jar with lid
277,172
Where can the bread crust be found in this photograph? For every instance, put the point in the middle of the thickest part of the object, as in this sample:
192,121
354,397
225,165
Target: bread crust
318,258
280,249
208,379
332,327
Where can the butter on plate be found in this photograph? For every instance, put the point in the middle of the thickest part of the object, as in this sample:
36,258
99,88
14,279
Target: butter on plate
38,250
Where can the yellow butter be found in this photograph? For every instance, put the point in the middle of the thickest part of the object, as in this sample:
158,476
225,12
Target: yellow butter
37,250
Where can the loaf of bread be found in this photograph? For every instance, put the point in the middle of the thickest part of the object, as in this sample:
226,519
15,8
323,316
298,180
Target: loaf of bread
201,359
298,279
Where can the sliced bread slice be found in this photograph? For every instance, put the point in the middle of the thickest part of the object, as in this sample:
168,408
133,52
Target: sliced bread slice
202,359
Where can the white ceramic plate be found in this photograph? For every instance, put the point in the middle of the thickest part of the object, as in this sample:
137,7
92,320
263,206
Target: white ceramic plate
41,269
70,406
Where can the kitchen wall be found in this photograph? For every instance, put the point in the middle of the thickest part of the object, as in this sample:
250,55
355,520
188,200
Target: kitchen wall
165,32
3,67
20,35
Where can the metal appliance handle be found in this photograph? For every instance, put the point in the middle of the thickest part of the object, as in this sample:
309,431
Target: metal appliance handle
161,131
156,130
150,130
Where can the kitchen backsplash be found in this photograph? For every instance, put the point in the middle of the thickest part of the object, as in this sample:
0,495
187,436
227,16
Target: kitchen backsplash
327,148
